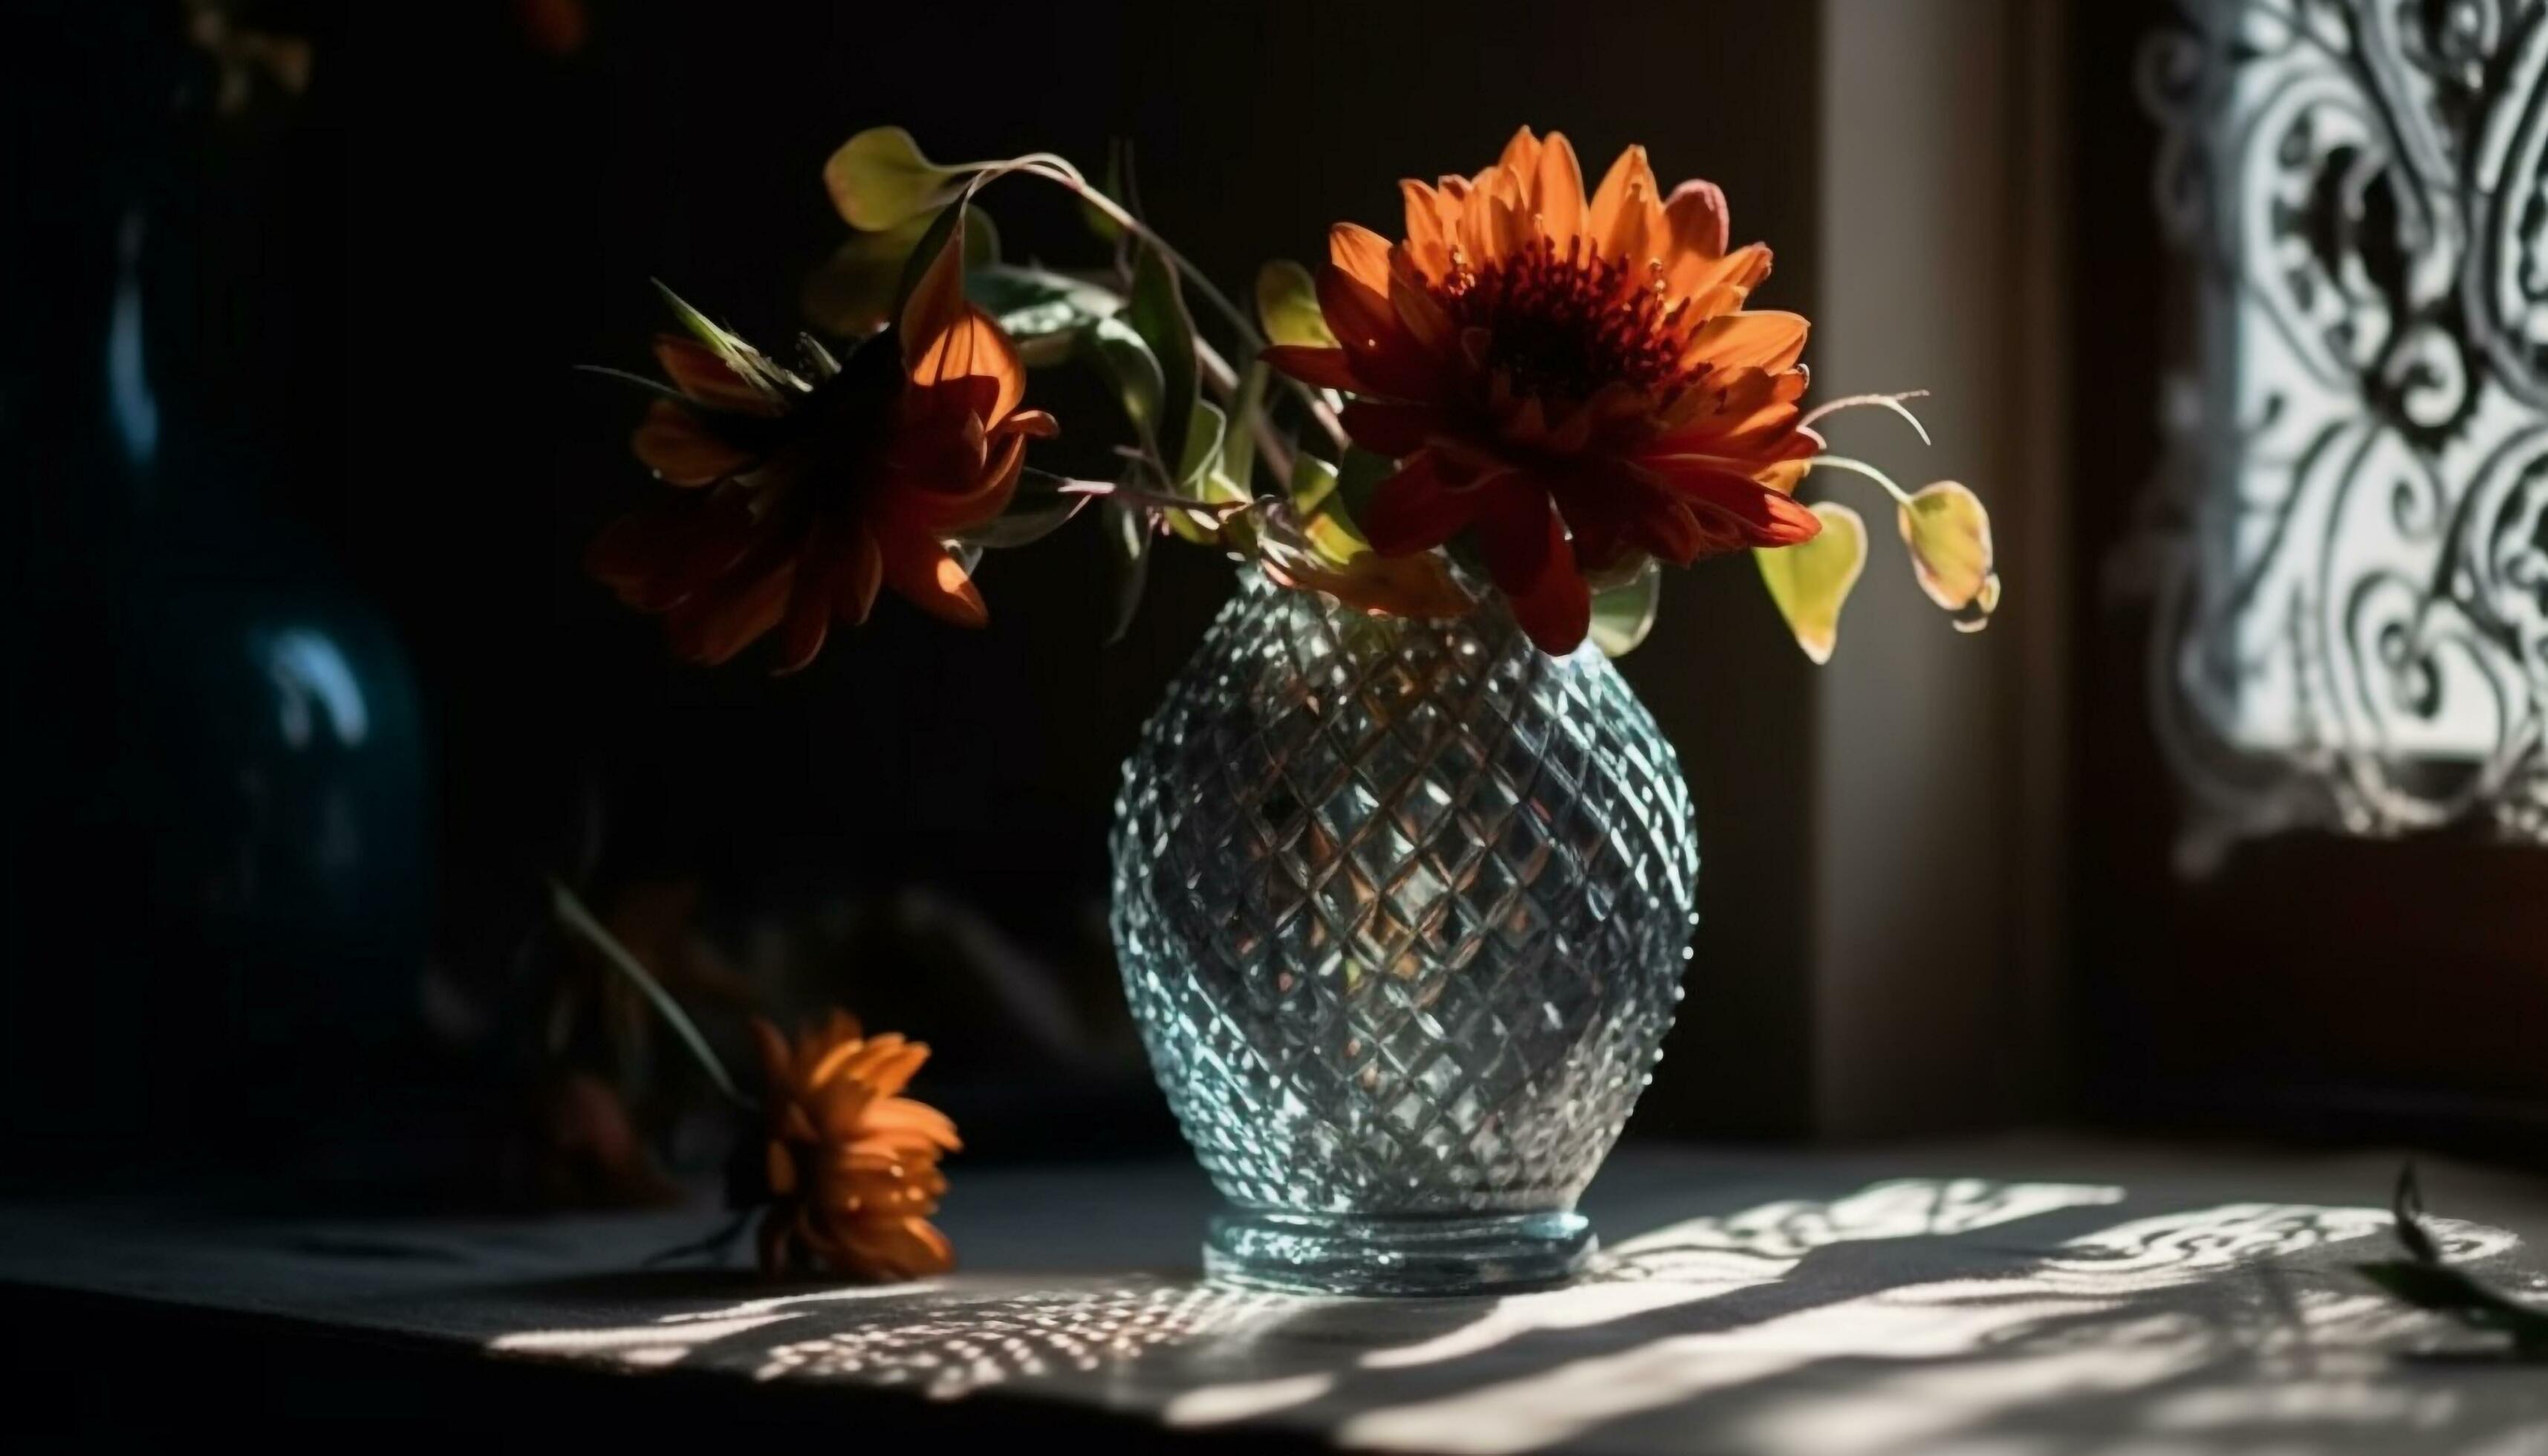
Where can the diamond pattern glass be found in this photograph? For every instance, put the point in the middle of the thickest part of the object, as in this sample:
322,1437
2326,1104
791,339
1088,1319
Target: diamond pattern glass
1402,909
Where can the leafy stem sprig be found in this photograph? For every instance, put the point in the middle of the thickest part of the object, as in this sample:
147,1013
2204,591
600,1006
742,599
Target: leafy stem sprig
1210,462
2425,1280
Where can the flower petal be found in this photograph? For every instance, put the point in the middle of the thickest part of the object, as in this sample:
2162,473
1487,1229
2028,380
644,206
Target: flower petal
1558,191
682,449
1388,429
660,555
1533,565
713,625
1362,254
1744,510
1325,368
973,347
927,507
1765,339
1697,219
1412,511
1428,228
1617,223
855,592
936,303
809,611
1520,153
1717,285
1357,311
699,372
925,574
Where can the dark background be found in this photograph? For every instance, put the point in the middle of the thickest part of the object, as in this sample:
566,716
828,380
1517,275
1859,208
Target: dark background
361,307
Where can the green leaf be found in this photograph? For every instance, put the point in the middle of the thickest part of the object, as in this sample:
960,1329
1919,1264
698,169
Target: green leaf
1313,483
752,364
1949,535
853,292
880,179
1198,474
1112,183
1316,504
1158,312
1286,305
1126,362
1809,581
1623,615
1203,435
1128,534
1037,509
1042,312
1238,446
1358,478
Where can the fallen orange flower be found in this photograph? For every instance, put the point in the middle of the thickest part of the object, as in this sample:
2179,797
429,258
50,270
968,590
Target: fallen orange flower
852,1165
799,500
1573,385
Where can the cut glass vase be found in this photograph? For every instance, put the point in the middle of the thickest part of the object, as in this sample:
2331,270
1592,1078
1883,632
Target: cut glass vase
1403,909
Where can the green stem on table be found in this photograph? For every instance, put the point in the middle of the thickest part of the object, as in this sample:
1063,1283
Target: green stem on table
572,914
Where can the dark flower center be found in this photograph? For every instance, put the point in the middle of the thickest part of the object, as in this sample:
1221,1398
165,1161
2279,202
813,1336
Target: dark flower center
1561,325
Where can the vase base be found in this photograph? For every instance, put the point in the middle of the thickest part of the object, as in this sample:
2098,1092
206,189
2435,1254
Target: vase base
1360,1255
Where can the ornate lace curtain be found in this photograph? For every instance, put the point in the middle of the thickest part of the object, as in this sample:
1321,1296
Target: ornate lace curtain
2351,528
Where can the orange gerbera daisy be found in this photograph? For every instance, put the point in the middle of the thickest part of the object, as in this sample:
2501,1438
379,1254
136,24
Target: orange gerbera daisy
853,1166
1573,386
800,499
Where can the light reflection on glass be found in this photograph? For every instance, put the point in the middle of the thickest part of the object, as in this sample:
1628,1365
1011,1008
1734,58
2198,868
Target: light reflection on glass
135,410
311,679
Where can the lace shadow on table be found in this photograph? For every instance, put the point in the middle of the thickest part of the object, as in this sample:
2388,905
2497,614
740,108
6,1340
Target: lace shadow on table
2016,1319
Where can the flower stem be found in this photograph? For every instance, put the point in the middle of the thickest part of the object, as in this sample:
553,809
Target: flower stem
1054,169
1885,402
572,914
1861,466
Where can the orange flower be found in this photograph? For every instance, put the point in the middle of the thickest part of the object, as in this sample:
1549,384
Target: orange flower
799,500
853,1167
1575,386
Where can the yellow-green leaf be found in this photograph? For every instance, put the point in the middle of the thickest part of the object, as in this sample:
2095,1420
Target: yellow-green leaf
1978,615
1623,615
1197,475
880,179
1809,581
1156,311
852,294
1319,507
1238,446
1949,535
753,366
1124,359
1286,305
1127,533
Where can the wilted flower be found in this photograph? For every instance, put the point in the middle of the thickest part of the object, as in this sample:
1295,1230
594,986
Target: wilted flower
800,498
1573,386
852,1165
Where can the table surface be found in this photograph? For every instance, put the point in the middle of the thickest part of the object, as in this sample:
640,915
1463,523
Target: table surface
2008,1298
